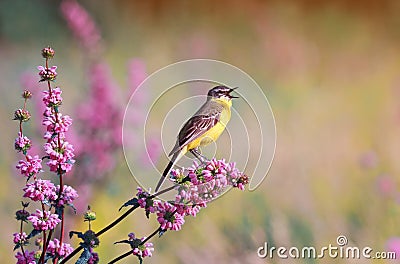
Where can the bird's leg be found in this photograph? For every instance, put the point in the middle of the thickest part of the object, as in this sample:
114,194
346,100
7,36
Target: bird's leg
196,152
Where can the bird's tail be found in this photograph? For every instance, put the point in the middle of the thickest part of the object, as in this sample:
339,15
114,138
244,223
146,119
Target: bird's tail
170,165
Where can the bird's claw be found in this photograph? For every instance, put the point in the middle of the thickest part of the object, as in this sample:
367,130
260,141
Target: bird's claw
196,152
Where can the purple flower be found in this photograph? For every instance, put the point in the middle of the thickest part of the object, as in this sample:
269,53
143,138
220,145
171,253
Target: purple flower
40,190
168,217
142,250
47,74
44,220
52,98
20,238
22,143
62,250
31,166
29,257
68,195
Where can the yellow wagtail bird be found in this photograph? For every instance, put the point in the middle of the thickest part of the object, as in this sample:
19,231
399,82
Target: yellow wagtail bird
204,127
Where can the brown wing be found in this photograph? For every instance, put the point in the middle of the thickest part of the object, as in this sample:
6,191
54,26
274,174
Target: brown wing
207,117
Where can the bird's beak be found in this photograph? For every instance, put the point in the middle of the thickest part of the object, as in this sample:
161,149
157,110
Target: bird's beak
231,90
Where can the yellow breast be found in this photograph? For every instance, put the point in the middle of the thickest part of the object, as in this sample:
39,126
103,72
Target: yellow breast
213,134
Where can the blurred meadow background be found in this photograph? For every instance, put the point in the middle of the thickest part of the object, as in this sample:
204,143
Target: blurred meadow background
330,70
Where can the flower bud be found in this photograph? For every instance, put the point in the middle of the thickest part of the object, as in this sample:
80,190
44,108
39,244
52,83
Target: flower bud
48,52
38,254
90,216
22,115
26,94
39,242
244,179
22,215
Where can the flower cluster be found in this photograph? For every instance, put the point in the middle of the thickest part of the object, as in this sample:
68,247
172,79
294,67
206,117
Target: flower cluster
220,171
40,190
44,220
31,166
53,97
47,74
145,201
56,124
20,238
59,155
168,216
140,249
202,183
55,247
67,196
22,115
22,143
195,186
28,257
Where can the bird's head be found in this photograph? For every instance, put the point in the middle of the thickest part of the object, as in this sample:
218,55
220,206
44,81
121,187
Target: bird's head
222,92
